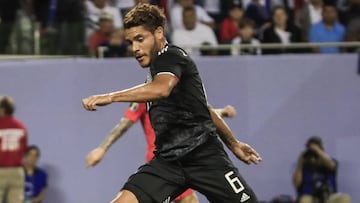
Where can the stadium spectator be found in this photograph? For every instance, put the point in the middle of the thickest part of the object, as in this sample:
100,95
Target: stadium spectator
13,142
195,33
288,5
213,8
315,176
102,34
7,20
282,31
94,9
258,12
351,13
176,16
124,6
351,19
310,14
69,23
61,26
35,177
229,27
246,36
329,30
116,45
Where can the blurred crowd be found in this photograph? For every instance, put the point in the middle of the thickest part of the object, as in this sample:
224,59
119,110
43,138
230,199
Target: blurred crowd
94,27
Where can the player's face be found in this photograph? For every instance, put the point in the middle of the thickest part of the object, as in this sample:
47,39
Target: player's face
143,44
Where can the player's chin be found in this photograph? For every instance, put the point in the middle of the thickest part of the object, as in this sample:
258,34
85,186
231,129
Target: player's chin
144,64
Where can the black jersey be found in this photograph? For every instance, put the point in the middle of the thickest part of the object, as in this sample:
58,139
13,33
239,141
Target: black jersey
181,121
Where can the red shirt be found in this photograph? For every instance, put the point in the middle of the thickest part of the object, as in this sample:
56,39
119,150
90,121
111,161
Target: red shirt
13,141
95,40
229,30
138,111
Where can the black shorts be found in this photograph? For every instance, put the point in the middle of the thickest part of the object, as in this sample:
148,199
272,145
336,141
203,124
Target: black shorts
206,169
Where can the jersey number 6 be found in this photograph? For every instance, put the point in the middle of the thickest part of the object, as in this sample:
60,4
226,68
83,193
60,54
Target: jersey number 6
235,183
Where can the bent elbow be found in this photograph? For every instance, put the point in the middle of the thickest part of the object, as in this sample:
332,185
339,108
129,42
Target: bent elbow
163,93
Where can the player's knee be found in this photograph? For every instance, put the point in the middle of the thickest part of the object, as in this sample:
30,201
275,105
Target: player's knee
125,196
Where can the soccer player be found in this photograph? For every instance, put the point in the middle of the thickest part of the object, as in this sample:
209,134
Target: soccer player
132,114
188,152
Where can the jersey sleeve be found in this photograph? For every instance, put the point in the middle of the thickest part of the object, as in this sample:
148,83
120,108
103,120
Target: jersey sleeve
135,111
170,63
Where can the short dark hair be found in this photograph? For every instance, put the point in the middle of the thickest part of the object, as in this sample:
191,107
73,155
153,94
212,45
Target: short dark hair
7,103
147,15
32,147
246,22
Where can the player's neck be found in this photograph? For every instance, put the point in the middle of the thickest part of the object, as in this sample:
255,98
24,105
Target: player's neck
162,45
29,169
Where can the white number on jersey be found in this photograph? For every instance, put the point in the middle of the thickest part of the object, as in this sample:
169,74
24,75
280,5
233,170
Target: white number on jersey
235,183
10,139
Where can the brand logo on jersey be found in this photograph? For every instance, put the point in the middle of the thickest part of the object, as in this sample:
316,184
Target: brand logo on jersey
163,50
167,200
244,197
10,139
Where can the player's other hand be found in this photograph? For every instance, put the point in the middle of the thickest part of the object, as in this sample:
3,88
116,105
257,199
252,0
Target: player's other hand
229,111
95,156
92,102
245,153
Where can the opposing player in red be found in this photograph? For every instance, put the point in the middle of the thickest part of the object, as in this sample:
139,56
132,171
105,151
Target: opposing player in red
134,113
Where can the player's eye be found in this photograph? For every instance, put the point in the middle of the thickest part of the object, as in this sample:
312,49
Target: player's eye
140,39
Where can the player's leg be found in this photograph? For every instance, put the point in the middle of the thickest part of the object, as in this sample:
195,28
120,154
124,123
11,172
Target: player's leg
211,172
15,192
157,181
125,196
188,196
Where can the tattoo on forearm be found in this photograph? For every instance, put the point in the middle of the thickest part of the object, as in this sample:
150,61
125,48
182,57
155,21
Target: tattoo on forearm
116,133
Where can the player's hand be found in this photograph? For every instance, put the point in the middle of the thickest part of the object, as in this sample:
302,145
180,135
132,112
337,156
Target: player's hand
95,156
228,111
315,148
92,102
245,153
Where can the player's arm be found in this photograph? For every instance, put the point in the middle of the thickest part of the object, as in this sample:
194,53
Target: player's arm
241,150
96,155
324,158
40,197
298,174
160,87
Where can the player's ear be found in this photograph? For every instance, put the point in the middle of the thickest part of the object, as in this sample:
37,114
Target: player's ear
159,33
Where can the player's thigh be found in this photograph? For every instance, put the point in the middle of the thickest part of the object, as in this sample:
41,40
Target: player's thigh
125,196
158,181
212,173
188,196
307,199
223,186
15,192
